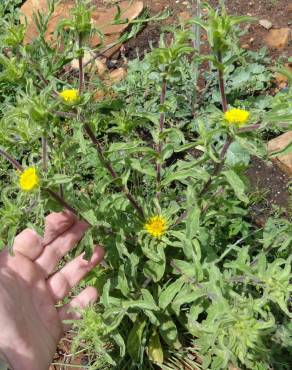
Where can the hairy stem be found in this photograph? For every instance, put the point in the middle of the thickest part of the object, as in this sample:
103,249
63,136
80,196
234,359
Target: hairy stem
219,166
111,170
44,152
221,85
10,159
61,201
160,143
196,11
80,62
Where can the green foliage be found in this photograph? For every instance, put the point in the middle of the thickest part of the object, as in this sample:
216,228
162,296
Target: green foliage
213,290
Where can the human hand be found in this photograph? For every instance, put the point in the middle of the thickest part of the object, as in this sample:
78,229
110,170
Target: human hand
31,326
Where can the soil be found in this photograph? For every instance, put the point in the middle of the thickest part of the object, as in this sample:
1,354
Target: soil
279,12
268,181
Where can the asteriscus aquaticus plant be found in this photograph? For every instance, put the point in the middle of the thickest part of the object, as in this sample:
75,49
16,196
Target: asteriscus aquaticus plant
156,226
28,179
237,117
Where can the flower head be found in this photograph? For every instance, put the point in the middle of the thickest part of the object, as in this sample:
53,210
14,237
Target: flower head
156,226
28,179
69,95
236,116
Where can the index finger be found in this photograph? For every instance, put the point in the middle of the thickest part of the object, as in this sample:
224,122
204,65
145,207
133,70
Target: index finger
56,224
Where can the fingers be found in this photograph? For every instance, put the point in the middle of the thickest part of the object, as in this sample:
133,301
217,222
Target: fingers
68,312
57,223
57,249
28,243
63,281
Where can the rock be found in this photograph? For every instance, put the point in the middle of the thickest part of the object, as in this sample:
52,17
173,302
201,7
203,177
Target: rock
98,64
278,38
99,95
281,80
283,161
101,19
266,24
115,76
184,16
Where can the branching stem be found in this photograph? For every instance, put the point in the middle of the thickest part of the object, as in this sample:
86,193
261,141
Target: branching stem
111,170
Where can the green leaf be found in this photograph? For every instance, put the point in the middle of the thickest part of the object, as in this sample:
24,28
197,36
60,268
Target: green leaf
143,168
168,331
168,294
143,305
90,216
58,179
237,185
193,222
154,270
237,155
155,351
134,343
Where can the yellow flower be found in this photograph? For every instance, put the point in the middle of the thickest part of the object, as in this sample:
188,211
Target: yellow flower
28,179
156,226
236,116
70,95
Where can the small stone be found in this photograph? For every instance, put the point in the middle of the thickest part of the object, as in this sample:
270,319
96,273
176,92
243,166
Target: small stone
278,38
184,16
275,145
282,80
266,24
99,95
116,76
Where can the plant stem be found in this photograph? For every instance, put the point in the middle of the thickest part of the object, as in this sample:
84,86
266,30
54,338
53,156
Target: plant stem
160,143
44,152
111,170
10,159
221,84
196,11
65,114
62,201
219,166
81,69
249,128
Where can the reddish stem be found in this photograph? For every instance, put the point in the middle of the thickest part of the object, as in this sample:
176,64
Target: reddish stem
221,85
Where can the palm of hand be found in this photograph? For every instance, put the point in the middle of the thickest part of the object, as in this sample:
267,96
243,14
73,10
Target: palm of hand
31,325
